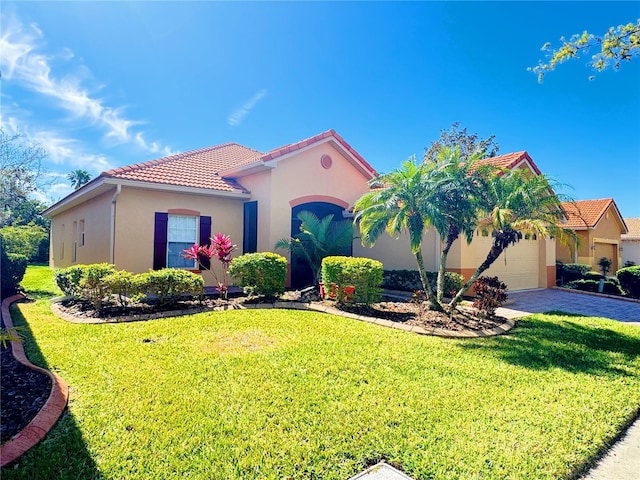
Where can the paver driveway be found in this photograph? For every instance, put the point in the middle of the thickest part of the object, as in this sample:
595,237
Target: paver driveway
536,301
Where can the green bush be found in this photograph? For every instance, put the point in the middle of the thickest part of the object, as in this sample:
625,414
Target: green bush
610,287
122,285
263,273
12,269
490,294
31,240
629,278
593,276
68,279
364,274
169,285
573,271
409,281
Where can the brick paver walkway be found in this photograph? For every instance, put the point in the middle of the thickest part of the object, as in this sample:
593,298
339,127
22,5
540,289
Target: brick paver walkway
536,301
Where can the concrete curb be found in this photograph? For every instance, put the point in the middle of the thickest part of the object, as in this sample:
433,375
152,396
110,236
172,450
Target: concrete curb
46,418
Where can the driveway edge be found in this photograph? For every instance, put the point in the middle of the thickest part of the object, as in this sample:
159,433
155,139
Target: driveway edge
52,410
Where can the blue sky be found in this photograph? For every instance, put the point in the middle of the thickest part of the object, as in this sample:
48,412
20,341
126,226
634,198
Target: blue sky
106,84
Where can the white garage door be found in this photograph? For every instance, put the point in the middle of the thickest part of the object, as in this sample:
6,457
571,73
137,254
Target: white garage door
517,266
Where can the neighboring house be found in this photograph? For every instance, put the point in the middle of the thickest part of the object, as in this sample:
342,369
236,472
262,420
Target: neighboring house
142,216
599,227
630,245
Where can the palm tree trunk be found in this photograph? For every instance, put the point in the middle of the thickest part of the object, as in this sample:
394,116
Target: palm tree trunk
494,253
451,237
433,301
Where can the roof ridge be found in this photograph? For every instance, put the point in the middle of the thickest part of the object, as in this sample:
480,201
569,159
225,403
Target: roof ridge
174,157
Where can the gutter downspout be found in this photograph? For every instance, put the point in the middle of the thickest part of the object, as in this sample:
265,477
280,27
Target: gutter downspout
112,229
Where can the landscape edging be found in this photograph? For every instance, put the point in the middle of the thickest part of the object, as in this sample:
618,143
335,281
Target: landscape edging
48,415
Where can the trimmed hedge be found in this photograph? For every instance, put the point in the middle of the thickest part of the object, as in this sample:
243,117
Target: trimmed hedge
629,278
169,285
365,274
96,282
568,272
263,273
409,281
610,287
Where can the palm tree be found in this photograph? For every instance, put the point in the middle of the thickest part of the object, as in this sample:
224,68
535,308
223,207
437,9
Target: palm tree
458,185
78,178
400,202
520,202
318,238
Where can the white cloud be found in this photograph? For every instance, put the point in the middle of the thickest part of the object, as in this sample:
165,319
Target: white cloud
23,62
238,116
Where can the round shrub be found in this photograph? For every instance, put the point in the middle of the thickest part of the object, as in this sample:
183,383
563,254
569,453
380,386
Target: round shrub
169,285
265,273
629,278
573,271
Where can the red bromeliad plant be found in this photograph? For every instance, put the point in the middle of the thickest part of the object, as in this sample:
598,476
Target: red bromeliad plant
220,247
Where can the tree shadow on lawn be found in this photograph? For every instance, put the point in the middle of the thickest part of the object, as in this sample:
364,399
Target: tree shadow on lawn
63,452
579,346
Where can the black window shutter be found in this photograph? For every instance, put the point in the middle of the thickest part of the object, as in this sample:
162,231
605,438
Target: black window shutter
205,238
250,228
160,240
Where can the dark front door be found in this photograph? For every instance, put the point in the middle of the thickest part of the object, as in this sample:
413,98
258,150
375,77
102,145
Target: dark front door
301,273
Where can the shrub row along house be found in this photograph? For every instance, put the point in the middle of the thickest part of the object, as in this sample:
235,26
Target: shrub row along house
142,216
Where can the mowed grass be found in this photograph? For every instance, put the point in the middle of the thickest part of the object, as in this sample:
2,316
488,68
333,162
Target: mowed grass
280,394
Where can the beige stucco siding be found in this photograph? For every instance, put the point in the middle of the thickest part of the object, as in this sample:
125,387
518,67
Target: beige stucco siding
300,178
135,211
631,251
395,254
66,233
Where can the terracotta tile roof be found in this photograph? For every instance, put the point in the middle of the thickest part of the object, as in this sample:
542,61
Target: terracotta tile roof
340,144
584,214
633,225
197,168
201,168
510,160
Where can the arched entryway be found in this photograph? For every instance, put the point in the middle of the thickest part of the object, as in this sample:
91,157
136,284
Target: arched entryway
301,273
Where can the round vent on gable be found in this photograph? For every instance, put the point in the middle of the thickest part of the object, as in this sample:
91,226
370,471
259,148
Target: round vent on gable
326,161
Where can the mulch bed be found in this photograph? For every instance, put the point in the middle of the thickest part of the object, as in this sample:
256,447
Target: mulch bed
24,391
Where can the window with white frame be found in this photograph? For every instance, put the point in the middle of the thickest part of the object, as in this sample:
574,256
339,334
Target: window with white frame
182,233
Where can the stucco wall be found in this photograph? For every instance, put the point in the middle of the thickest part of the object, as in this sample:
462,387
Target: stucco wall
135,209
66,231
395,254
631,251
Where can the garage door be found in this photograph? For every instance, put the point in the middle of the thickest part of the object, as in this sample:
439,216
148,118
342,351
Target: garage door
607,250
517,266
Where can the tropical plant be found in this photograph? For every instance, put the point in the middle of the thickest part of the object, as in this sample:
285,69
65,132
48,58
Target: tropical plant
521,203
459,185
468,143
78,178
605,265
221,248
396,204
318,238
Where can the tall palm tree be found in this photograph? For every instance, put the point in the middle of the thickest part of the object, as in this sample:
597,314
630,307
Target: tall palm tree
519,203
400,202
318,238
78,178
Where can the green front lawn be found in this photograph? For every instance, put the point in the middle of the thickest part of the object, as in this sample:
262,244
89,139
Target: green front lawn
288,394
